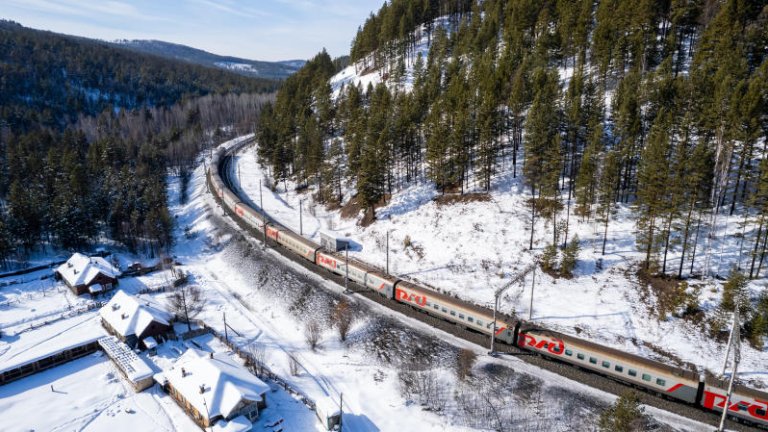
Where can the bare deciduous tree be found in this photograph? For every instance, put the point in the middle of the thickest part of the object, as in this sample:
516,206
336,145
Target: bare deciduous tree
312,334
464,362
186,303
258,355
342,318
294,367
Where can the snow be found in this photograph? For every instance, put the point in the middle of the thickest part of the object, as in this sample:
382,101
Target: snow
81,269
84,395
128,315
243,67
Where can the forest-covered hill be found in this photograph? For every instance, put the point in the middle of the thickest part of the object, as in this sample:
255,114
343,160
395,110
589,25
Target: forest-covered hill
50,79
89,132
662,104
250,68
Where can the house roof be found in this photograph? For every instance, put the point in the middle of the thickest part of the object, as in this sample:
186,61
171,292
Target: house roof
133,366
81,269
225,383
130,315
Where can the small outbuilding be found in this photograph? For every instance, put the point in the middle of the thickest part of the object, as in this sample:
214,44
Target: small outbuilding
82,274
135,320
332,242
215,390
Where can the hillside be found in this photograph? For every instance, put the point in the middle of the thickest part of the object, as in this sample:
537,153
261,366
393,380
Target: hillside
625,155
51,79
251,68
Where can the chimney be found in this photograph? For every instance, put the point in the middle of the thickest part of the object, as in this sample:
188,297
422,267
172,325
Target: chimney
124,316
211,354
202,388
183,372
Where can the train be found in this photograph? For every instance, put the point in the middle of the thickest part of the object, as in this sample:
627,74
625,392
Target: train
746,405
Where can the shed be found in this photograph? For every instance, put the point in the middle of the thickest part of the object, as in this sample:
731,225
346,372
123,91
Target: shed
133,368
330,241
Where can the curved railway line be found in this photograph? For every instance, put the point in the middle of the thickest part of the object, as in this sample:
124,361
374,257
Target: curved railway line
544,355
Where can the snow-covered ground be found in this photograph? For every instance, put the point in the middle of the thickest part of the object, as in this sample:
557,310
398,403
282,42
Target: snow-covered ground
462,248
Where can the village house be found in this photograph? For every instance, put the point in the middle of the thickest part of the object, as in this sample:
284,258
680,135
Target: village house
135,320
84,274
215,390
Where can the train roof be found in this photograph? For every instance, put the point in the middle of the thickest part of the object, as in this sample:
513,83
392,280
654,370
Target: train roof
597,348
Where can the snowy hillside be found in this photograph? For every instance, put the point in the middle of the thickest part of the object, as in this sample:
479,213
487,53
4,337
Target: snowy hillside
463,247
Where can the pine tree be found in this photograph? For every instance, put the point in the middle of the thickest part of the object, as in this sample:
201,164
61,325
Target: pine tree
606,192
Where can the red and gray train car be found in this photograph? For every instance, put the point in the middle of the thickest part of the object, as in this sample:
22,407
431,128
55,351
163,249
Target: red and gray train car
684,385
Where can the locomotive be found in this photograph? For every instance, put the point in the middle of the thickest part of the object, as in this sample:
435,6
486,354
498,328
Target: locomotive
684,385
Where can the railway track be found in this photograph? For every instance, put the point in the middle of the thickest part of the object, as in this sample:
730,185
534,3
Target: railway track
574,373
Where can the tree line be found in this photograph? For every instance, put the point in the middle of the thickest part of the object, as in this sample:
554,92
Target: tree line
88,134
660,105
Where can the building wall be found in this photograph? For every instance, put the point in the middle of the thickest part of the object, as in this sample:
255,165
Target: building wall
247,408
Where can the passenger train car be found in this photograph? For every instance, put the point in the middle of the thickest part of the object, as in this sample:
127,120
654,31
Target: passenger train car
676,383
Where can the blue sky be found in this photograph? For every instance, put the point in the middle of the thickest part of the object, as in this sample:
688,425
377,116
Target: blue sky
253,29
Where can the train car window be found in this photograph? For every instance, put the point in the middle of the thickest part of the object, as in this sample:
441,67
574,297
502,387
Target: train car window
661,382
568,352
470,319
461,316
646,377
761,412
437,307
580,356
556,349
619,368
453,313
479,322
632,372
606,364
445,310
593,360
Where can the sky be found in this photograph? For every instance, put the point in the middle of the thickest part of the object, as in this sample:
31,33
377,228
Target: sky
252,29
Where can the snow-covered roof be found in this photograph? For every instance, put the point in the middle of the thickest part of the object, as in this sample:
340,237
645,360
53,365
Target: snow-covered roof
129,315
81,269
134,368
150,342
225,383
237,424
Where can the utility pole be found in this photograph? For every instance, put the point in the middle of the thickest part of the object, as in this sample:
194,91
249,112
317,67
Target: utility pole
533,285
226,335
520,277
346,269
263,214
341,410
387,251
734,341
301,220
239,180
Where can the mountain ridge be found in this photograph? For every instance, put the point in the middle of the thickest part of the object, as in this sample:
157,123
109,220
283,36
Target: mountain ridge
247,67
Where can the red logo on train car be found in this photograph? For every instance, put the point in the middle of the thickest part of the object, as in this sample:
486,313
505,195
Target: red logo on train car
239,211
555,346
326,261
272,233
416,299
757,410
